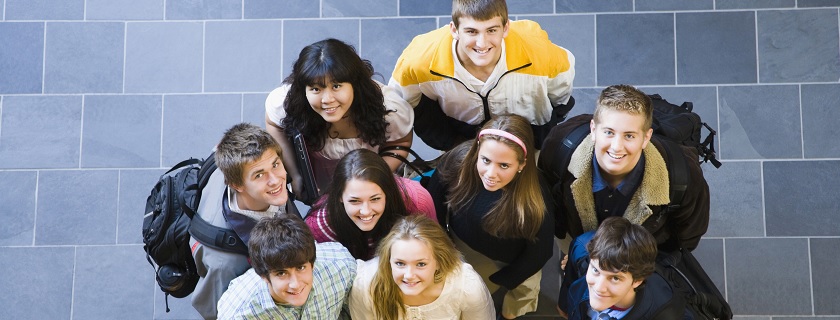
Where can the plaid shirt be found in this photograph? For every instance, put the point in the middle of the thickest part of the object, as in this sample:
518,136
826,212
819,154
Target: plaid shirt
248,297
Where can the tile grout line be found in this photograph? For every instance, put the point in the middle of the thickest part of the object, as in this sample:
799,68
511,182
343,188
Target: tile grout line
676,72
720,133
117,222
801,122
811,276
35,218
44,58
162,115
725,280
595,45
757,54
125,53
763,198
73,285
81,131
203,52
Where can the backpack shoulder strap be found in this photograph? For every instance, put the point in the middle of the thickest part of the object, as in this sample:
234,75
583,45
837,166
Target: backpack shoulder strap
570,143
678,178
207,169
217,237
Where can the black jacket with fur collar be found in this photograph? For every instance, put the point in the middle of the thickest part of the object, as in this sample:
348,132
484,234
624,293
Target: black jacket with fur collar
576,212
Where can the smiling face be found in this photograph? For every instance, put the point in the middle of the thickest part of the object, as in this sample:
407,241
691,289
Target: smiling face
479,44
619,139
413,268
364,202
290,286
607,289
497,164
264,185
333,101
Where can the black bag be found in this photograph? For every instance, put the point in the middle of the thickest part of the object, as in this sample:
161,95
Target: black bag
681,125
417,169
686,276
171,218
310,192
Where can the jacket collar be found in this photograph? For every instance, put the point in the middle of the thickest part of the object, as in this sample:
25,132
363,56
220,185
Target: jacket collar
653,190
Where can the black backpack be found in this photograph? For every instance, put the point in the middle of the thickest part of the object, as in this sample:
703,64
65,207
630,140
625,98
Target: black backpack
171,218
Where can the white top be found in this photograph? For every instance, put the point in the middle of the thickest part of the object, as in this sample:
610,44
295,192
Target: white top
400,118
464,296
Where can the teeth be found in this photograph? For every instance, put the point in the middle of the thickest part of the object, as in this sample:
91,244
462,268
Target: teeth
366,219
614,157
275,191
482,51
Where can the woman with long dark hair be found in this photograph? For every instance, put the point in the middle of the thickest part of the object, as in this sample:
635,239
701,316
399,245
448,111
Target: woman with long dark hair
363,201
332,100
499,211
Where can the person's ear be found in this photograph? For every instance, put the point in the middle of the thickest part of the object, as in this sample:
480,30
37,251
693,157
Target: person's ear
453,29
506,28
648,135
239,189
637,283
592,129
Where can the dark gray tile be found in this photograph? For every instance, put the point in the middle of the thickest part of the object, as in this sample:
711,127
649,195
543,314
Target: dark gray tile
568,6
754,4
176,51
77,207
671,5
807,209
203,10
818,3
39,281
747,131
305,32
358,8
759,278
530,7
253,108
84,57
636,49
710,255
113,282
383,47
798,45
135,186
21,57
731,59
237,63
45,10
121,131
124,9
825,257
753,318
179,309
736,204
193,124
585,100
819,112
274,9
577,34
17,207
40,131
425,8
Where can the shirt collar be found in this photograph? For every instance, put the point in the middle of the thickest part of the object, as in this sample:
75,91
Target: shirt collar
627,186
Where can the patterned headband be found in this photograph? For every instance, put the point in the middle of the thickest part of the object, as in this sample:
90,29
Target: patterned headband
505,134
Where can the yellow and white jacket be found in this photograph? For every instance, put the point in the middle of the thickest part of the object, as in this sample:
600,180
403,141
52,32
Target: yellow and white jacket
537,77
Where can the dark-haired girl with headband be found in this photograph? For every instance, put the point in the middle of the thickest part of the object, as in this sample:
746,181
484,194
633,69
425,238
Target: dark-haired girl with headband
499,210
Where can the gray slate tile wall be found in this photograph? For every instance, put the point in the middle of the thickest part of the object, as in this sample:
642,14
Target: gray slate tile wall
99,97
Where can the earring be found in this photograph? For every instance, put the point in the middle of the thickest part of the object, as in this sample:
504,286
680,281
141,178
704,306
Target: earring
520,171
438,276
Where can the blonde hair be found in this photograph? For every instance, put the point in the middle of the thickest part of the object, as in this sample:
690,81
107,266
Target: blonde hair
624,98
521,209
387,296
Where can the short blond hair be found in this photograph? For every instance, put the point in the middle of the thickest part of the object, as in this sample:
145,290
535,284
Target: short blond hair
625,98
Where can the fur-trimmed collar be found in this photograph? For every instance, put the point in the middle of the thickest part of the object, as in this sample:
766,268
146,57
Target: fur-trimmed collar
654,189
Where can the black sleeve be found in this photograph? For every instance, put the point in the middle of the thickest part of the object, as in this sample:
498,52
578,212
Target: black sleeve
438,130
438,192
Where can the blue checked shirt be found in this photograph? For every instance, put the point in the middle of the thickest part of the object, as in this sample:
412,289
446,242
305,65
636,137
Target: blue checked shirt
248,297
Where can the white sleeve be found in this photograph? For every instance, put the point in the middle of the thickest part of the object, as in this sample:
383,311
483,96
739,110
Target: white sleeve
560,87
360,302
274,109
400,114
477,302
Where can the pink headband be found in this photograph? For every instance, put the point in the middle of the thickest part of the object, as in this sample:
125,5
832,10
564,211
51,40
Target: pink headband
505,134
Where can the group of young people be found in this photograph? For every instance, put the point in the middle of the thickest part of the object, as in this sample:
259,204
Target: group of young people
488,93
